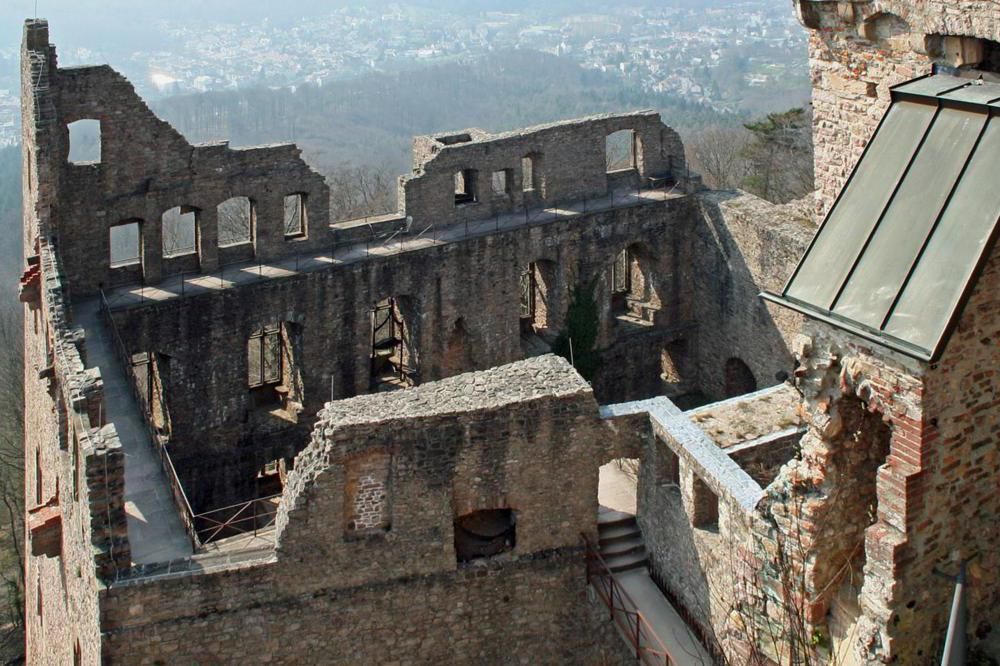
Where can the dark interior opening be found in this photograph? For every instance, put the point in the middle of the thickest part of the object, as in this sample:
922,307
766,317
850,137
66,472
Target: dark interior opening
484,533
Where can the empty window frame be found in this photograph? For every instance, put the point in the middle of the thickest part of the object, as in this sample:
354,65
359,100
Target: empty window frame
500,182
465,187
704,506
621,273
125,242
531,172
668,468
295,215
180,231
235,220
84,141
264,366
619,150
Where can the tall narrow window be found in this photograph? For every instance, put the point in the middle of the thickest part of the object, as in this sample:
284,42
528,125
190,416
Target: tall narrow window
621,273
465,187
531,172
85,141
125,244
295,215
264,357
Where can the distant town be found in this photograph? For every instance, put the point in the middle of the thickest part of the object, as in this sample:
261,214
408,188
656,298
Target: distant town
727,58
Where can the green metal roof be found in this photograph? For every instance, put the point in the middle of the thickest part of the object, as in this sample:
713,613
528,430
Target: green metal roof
897,255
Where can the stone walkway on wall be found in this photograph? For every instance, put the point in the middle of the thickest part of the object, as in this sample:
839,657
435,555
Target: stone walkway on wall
617,491
155,531
420,237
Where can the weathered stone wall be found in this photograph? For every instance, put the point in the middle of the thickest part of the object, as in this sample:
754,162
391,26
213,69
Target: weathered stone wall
569,165
857,50
464,306
744,246
935,493
74,468
525,436
535,610
147,167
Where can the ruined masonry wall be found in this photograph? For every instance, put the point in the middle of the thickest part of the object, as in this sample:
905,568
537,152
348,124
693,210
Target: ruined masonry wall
525,436
745,245
857,50
464,304
954,512
524,612
71,463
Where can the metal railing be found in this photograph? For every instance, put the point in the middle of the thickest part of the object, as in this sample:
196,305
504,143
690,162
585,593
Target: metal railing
623,611
248,517
245,518
398,241
156,438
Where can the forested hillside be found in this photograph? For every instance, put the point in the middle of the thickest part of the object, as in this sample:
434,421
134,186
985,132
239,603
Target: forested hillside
370,121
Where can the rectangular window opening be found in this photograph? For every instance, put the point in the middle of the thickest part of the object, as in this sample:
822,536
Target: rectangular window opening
619,150
704,506
235,219
180,231
465,187
125,245
295,215
85,141
501,182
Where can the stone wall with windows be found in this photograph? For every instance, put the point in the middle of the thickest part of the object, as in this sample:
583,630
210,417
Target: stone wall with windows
524,437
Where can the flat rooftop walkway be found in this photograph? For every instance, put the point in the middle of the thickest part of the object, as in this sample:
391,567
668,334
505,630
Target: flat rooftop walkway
419,238
155,531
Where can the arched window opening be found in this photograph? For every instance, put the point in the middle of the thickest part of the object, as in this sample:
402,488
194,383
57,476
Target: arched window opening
236,221
483,534
84,141
180,231
393,358
620,151
739,378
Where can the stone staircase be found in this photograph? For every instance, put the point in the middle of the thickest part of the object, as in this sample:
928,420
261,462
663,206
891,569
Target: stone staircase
620,541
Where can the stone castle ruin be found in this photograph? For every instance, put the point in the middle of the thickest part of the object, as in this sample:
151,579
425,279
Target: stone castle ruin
255,433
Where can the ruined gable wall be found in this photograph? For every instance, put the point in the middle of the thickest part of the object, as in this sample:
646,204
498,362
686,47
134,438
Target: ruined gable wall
744,245
857,50
146,168
475,281
570,166
524,436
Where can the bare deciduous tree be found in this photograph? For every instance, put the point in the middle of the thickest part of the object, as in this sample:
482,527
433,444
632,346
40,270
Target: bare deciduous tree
717,153
361,191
